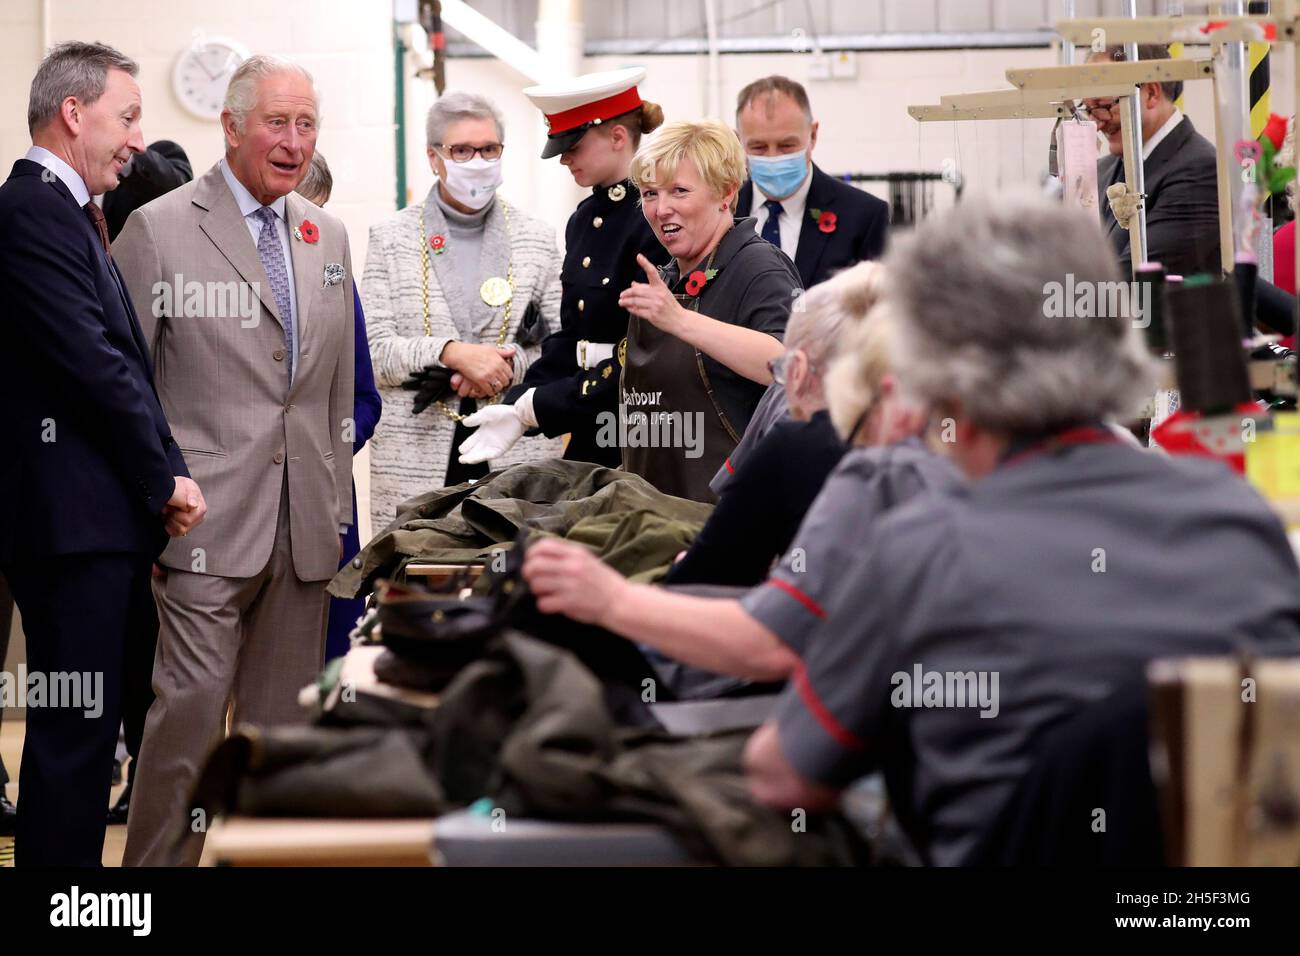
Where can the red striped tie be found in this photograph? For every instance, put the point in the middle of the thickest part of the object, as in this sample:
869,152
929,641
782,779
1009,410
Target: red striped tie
96,217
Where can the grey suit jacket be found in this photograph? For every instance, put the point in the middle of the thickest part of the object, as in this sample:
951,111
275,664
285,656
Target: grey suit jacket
218,345
1182,203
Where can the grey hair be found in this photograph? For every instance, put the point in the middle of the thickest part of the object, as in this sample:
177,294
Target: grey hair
459,105
241,92
854,381
968,295
824,313
72,69
317,185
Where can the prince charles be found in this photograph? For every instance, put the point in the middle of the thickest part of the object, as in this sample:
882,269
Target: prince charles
258,387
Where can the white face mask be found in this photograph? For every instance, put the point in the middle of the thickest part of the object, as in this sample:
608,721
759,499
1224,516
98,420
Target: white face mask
474,183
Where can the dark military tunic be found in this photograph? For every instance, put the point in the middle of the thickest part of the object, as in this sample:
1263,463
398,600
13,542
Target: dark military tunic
601,241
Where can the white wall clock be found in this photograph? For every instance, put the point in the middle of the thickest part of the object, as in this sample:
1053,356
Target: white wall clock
203,71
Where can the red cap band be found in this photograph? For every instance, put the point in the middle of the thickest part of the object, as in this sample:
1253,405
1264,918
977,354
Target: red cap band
608,108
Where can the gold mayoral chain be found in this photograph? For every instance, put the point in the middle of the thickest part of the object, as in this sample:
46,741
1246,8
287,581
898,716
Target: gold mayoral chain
494,291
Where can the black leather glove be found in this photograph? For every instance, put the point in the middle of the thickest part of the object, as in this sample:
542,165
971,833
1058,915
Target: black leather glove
431,384
532,327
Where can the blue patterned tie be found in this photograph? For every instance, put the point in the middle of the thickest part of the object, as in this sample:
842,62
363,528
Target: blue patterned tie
272,254
772,228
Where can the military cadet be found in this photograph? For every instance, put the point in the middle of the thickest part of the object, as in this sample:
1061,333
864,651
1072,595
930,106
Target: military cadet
1041,590
596,123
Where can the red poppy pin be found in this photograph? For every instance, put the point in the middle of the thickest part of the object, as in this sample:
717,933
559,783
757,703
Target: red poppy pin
698,279
826,220
438,243
308,232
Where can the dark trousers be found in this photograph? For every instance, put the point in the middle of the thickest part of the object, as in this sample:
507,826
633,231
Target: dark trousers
79,614
6,622
137,678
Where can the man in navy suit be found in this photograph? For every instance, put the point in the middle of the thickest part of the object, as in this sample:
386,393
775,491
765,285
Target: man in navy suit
821,223
91,481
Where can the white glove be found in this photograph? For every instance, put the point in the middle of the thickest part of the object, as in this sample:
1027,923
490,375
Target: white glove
499,427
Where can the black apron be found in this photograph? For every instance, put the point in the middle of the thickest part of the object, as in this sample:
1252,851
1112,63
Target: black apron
664,375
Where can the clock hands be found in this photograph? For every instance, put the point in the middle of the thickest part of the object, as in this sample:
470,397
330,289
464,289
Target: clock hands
231,59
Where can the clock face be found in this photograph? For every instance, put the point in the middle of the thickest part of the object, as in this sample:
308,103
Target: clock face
203,71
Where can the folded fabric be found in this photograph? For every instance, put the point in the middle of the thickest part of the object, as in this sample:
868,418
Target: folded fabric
527,727
564,757
362,772
640,544
354,695
400,671
471,522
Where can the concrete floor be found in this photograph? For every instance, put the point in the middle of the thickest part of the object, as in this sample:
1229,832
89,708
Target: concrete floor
11,748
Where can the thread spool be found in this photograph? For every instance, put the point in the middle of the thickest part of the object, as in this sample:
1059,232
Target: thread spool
1151,289
1244,275
1204,323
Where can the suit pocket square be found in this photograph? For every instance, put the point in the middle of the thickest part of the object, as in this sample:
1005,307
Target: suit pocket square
333,274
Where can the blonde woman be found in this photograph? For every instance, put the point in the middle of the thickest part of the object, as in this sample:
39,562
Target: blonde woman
702,333
464,284
762,635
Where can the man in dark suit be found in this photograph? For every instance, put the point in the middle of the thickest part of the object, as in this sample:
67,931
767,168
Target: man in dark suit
821,223
1181,176
8,812
91,481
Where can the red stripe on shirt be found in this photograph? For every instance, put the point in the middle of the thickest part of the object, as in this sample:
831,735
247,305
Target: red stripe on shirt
816,609
727,464
837,731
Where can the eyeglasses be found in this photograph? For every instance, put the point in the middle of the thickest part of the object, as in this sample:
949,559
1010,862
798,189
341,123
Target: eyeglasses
778,366
1107,108
463,152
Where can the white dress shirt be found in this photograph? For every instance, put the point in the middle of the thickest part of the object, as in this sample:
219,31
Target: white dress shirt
69,176
793,210
248,205
1149,146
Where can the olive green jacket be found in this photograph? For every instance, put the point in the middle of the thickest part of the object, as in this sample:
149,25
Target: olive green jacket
635,528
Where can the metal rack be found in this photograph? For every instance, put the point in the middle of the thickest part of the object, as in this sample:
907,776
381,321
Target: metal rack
911,193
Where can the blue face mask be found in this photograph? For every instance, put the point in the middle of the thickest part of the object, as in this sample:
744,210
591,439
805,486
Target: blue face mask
778,176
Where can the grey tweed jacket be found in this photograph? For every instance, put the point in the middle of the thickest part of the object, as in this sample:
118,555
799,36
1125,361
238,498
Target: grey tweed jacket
408,453
224,381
